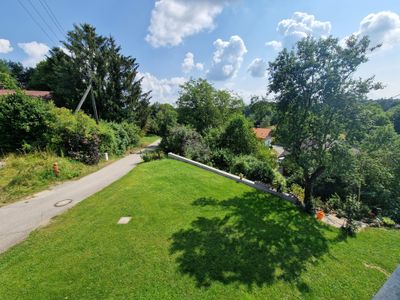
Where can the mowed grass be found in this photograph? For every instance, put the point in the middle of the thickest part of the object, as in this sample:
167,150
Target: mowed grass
193,235
26,174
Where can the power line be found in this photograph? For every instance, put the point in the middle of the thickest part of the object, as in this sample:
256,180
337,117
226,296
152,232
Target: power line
36,22
43,19
394,96
52,16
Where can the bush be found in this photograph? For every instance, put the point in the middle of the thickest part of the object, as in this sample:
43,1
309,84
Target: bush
388,222
353,210
222,159
108,139
152,155
297,191
83,148
279,181
133,132
24,121
185,141
253,168
121,138
238,137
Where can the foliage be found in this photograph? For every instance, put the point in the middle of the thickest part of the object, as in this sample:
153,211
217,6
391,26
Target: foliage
238,136
152,155
297,191
203,107
222,159
24,120
163,118
7,81
394,114
253,168
185,141
28,123
261,111
388,222
315,91
279,181
86,58
353,210
82,148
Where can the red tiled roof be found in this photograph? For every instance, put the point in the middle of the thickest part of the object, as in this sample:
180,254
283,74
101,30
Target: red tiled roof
41,94
262,133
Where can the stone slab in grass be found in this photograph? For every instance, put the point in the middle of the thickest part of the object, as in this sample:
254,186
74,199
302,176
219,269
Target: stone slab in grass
124,220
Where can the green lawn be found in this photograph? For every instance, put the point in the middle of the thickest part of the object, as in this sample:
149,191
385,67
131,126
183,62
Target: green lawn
148,139
193,235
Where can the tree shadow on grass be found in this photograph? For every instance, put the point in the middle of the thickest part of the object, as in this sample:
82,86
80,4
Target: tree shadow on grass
256,240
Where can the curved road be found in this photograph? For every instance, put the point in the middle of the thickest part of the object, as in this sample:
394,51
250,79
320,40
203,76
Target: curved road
18,219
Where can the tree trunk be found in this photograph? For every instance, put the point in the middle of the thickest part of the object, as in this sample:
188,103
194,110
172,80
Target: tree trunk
308,191
308,188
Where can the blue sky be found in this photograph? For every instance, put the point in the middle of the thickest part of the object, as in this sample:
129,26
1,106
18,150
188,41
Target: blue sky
227,41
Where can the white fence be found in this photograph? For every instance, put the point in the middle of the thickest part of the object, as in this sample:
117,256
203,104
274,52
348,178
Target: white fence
256,185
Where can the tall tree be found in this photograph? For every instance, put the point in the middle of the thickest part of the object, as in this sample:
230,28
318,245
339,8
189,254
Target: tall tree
203,107
85,58
315,89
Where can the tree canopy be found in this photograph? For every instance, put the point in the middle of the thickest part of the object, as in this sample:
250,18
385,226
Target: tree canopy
203,107
87,57
315,89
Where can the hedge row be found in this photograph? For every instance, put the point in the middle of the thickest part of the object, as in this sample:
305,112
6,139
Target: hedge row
28,123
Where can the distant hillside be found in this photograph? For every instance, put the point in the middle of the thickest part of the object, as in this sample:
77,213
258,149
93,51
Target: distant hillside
387,104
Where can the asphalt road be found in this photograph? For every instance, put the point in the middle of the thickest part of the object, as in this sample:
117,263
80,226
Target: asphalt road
18,219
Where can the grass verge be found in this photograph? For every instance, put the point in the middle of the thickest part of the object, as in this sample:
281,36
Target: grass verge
26,174
193,235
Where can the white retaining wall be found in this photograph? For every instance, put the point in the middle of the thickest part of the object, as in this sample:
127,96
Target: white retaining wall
256,185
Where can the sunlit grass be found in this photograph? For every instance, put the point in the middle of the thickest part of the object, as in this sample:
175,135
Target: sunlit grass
193,235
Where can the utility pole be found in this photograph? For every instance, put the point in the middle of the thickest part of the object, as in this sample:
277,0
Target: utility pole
89,89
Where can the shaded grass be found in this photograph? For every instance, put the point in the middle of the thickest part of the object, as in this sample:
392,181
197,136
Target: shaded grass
26,174
193,235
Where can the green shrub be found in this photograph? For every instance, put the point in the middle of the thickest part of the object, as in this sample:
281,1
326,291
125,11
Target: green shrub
24,121
133,132
121,138
238,137
108,139
222,159
185,141
253,168
152,155
388,222
82,148
279,181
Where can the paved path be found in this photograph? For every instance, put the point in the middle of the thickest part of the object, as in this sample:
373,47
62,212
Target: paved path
17,220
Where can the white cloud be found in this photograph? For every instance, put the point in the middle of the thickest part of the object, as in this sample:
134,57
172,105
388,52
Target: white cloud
163,90
5,46
36,52
173,20
300,26
382,28
188,63
257,67
227,59
276,45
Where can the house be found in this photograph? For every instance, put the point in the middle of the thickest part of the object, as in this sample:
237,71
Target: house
46,95
264,135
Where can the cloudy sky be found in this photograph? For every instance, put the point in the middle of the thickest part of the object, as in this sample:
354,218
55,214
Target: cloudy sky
229,42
